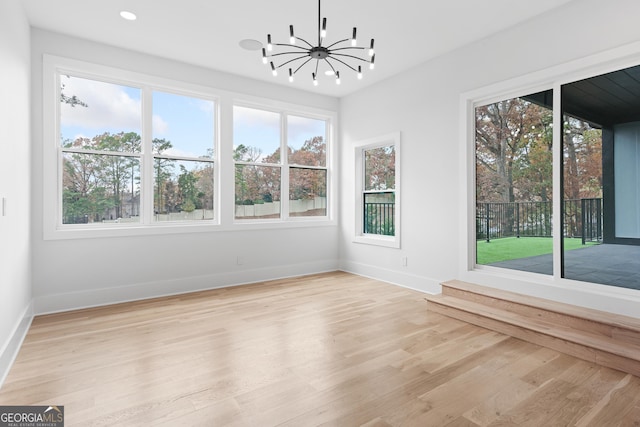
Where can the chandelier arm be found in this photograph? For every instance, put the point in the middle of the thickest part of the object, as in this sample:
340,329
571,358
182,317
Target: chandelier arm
305,53
317,64
338,42
290,45
349,56
291,60
330,64
348,47
342,62
300,38
303,64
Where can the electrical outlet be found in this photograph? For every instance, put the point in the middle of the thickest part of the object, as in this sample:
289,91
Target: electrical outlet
240,260
404,261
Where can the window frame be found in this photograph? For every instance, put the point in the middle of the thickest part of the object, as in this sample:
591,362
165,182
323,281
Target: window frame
359,150
285,167
53,229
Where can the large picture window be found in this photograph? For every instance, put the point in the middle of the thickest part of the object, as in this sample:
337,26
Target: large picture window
103,152
133,154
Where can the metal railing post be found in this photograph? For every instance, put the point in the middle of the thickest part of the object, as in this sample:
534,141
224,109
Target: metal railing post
486,210
517,206
583,219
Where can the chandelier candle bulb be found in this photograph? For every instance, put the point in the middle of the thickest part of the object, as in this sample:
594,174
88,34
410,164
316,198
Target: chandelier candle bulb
330,58
371,65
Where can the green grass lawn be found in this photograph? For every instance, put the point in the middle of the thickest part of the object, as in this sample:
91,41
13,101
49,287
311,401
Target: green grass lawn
516,248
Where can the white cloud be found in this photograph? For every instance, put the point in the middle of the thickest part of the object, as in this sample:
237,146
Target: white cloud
108,105
256,118
205,105
160,127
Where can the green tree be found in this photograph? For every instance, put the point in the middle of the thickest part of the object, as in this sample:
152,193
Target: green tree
187,185
162,173
306,183
116,171
380,168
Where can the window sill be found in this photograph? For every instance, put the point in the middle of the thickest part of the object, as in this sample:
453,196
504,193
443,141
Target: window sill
99,231
372,239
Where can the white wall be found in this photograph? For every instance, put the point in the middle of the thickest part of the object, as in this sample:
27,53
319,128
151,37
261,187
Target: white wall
15,188
92,271
626,158
424,105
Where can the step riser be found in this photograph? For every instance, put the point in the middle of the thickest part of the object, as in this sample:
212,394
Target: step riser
581,324
587,353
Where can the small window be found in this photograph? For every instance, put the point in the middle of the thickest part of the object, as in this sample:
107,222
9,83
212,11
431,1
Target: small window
377,164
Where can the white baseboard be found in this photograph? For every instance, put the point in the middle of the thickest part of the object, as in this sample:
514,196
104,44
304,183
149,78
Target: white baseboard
46,304
419,283
13,344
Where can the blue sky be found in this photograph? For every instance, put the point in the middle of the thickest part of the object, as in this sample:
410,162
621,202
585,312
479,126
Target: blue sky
187,122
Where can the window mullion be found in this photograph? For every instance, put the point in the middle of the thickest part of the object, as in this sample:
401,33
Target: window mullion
556,165
146,190
284,168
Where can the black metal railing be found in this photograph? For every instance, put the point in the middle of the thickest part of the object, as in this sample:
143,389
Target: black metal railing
592,220
379,218
582,218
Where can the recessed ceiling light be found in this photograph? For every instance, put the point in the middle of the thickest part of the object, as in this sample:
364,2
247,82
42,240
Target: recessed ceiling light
129,16
250,44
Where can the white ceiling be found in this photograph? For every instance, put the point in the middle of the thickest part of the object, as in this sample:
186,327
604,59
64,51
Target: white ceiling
207,32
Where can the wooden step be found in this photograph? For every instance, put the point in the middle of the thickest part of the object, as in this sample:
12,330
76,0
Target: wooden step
623,328
611,341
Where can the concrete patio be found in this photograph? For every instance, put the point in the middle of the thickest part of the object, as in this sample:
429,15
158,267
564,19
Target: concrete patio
615,265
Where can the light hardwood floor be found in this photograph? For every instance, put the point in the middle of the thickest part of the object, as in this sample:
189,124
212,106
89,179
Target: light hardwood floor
329,349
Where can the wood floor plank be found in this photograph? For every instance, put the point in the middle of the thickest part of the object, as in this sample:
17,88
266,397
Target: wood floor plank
328,349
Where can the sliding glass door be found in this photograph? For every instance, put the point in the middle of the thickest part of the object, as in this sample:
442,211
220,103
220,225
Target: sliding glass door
598,128
514,184
601,178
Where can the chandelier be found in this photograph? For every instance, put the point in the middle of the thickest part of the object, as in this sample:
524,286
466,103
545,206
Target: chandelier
343,53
